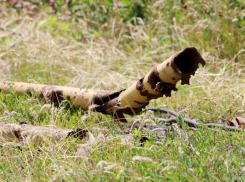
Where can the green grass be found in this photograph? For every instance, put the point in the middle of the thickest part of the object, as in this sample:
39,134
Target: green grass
204,155
82,50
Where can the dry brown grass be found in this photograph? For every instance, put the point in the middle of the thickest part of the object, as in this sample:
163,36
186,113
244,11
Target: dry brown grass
112,57
49,55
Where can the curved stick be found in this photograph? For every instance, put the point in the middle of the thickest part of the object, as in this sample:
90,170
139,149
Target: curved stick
166,111
189,121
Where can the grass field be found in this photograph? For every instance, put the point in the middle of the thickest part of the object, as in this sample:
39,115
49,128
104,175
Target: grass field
93,49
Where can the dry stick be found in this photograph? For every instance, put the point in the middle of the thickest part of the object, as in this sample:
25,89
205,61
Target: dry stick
190,122
13,32
26,133
160,81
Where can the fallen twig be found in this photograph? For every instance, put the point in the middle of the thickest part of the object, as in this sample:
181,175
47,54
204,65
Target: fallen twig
190,122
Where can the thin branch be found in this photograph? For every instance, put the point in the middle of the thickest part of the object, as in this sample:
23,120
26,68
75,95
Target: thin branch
190,122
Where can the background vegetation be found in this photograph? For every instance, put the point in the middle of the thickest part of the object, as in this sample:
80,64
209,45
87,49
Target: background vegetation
109,45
